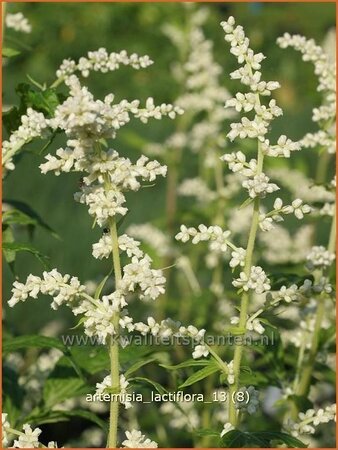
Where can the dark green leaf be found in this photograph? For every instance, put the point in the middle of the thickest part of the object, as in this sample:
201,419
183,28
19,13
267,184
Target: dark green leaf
138,365
56,416
13,394
23,247
201,374
260,439
43,101
28,341
91,359
28,211
159,388
56,390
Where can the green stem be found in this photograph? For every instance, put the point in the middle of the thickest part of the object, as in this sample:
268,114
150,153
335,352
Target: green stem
114,345
233,419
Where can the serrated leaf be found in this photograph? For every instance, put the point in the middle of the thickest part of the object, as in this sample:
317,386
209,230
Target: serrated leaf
56,390
56,416
200,375
29,341
43,101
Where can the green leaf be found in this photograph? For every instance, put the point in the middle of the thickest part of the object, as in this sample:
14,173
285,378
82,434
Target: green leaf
56,390
234,439
136,351
200,374
13,394
101,285
8,52
260,439
188,363
29,341
138,365
43,101
91,359
207,432
247,202
23,247
16,217
12,119
8,238
159,388
28,211
56,416
276,436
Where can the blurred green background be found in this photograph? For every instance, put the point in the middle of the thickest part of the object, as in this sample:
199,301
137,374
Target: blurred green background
63,30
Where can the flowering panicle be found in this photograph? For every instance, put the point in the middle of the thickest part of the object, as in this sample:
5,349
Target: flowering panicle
135,439
102,61
27,438
33,124
87,121
325,70
18,22
308,421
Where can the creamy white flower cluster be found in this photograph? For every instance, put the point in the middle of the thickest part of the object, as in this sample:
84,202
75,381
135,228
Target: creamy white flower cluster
81,116
218,238
295,293
103,248
102,61
319,258
33,124
135,439
63,289
257,183
86,121
252,324
257,280
308,421
106,384
325,69
27,438
167,328
297,207
249,75
218,243
18,22
98,314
